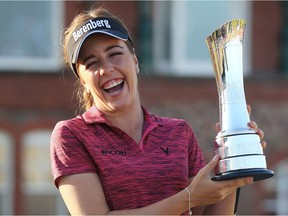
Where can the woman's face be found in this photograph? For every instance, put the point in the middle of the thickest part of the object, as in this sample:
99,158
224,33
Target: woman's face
108,71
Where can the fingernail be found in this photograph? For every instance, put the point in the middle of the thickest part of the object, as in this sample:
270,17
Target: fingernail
216,157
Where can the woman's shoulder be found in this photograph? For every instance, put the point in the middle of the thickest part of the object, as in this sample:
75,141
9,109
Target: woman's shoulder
71,123
164,120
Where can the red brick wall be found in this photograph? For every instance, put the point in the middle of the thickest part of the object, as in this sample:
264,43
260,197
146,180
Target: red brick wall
125,10
266,26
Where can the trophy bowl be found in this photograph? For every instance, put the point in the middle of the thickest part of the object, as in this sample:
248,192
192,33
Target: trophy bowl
239,147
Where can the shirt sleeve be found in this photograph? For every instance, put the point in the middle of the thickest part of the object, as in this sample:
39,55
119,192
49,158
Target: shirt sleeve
67,154
196,159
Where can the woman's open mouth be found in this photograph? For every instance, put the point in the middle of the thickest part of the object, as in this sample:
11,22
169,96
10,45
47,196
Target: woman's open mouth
113,86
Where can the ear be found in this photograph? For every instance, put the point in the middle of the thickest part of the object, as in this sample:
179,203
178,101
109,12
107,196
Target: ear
86,87
84,84
136,63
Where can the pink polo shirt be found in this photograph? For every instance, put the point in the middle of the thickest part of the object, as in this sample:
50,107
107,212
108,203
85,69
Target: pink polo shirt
132,175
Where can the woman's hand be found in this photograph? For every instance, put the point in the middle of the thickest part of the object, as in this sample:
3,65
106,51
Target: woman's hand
206,192
260,132
254,126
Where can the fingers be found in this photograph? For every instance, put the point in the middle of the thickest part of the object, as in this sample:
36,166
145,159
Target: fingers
226,187
249,109
218,127
254,126
242,181
210,166
264,144
260,133
233,185
206,191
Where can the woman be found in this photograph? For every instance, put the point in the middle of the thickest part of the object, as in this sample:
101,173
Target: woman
117,158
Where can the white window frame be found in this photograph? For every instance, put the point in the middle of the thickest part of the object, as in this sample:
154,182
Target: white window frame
178,66
282,188
7,192
278,186
40,139
40,64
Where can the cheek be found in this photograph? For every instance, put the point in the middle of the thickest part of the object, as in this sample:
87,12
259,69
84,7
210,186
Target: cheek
80,68
85,75
133,76
89,81
133,79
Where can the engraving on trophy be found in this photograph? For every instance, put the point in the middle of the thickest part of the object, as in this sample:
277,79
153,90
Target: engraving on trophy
239,146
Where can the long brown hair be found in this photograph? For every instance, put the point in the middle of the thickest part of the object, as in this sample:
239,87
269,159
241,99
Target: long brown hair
85,99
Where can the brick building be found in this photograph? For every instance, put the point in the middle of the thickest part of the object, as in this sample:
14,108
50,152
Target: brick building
36,92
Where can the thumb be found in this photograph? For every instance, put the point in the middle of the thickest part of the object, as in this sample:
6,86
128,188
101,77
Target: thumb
211,165
218,127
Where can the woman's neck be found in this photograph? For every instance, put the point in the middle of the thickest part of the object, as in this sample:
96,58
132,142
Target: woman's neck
130,121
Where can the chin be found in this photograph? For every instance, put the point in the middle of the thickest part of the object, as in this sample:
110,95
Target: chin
121,106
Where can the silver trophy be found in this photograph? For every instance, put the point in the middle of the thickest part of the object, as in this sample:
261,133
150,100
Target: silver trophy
239,147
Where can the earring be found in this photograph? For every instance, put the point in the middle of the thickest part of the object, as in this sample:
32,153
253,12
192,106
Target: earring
88,91
137,70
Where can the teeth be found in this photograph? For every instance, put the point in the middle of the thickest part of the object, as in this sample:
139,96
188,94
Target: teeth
113,84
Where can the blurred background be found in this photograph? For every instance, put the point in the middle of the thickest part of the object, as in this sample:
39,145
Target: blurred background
176,80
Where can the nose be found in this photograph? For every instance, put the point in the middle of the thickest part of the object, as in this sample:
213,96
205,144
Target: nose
105,68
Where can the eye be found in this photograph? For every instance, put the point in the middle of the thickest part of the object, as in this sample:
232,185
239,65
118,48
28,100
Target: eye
115,54
91,64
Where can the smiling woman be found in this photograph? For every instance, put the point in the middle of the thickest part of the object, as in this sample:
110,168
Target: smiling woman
107,70
116,157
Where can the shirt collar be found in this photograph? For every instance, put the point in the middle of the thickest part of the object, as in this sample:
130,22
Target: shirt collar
93,115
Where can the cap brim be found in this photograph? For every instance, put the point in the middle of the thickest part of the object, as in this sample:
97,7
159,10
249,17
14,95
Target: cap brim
112,33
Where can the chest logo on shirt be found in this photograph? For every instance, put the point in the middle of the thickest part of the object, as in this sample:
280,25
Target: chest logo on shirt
115,152
165,150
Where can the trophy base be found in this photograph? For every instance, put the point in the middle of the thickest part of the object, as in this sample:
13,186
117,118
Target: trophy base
257,174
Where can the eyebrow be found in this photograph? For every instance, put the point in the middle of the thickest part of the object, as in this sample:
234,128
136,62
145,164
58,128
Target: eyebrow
87,58
107,49
113,46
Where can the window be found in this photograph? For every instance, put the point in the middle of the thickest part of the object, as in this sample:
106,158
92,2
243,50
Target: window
277,190
180,30
6,173
282,188
40,195
30,33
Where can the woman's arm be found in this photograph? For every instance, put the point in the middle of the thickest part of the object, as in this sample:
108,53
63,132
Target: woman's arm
83,194
224,207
